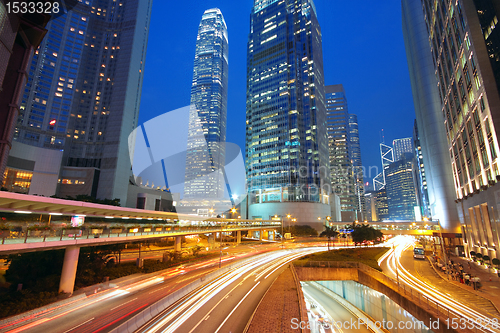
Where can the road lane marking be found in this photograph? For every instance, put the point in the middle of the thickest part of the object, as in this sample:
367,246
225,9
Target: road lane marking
157,290
122,304
209,312
248,293
78,325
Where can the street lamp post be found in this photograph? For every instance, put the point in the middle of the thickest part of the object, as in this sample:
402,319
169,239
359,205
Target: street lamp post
444,252
220,246
397,271
282,235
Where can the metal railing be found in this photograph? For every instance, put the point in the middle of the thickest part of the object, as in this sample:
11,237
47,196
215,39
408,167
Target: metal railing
451,318
30,235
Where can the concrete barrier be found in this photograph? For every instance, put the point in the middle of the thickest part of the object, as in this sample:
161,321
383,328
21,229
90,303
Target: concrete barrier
156,308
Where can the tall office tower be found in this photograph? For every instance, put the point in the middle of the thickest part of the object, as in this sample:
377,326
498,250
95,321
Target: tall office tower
427,100
357,166
20,35
402,146
204,178
381,205
371,207
342,173
421,181
84,91
401,189
286,140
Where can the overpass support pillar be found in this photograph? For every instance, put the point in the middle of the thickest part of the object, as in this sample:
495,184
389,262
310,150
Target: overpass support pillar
178,243
211,240
238,237
274,235
68,274
261,232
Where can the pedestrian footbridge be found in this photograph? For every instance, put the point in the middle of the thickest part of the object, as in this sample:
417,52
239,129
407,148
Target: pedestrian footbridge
125,225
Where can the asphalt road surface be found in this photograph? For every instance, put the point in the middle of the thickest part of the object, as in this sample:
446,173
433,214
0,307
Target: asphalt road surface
227,303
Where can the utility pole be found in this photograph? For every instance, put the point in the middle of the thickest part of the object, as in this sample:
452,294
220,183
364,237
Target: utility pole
220,246
444,252
395,261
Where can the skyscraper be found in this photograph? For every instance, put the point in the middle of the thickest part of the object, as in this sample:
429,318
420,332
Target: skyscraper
401,146
466,85
357,166
286,140
401,190
381,205
340,149
207,120
420,177
84,91
428,107
21,34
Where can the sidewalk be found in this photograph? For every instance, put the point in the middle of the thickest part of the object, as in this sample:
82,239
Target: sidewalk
490,281
278,308
487,298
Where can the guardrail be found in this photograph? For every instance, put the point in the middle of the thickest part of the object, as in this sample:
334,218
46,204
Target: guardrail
156,308
452,319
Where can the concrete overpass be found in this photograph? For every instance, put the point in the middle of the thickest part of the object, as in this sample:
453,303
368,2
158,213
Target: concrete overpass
136,225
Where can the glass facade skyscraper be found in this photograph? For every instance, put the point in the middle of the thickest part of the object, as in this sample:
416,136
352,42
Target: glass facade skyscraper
402,146
346,173
357,166
452,50
341,171
49,93
207,120
338,144
286,139
401,190
423,197
84,91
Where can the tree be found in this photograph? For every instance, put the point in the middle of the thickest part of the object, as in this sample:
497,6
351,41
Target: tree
364,233
38,271
487,260
473,255
196,250
330,233
300,230
496,262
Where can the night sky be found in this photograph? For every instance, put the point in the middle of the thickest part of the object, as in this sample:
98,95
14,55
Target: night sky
363,49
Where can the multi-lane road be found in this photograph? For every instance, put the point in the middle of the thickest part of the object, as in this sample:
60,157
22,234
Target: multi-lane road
227,303
104,310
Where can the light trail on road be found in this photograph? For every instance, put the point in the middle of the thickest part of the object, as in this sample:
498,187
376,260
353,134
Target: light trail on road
262,267
396,268
109,308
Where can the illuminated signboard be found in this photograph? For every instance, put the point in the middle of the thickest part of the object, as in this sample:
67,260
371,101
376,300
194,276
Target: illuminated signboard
77,221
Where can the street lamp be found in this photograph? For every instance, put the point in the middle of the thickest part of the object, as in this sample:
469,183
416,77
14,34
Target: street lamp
220,246
282,234
442,248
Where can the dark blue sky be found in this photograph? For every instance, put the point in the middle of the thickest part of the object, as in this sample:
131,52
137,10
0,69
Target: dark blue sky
363,49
